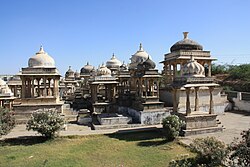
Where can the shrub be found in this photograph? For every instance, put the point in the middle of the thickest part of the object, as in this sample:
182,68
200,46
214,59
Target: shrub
210,151
240,151
171,127
7,121
182,161
45,122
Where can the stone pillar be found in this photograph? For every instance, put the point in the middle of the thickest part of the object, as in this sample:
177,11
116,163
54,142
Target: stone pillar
158,88
56,88
38,87
49,89
188,108
175,107
211,107
29,87
44,84
174,70
196,106
23,87
146,88
1,103
32,88
209,69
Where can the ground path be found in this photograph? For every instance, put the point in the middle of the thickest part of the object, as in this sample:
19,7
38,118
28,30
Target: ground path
234,123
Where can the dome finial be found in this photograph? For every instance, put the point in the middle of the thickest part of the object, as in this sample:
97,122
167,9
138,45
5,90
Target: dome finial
69,67
113,56
87,63
41,49
191,57
140,48
185,35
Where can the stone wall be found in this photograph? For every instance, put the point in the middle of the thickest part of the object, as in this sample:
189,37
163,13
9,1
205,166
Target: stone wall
146,117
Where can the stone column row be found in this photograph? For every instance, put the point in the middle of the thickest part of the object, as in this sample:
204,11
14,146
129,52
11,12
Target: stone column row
196,108
28,87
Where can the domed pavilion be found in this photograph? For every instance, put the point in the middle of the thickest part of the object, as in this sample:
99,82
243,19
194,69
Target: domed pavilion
180,54
40,84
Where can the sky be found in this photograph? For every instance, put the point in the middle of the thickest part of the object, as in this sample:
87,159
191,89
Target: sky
75,32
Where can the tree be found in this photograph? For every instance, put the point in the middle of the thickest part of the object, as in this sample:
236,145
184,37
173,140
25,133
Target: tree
240,151
45,122
7,121
171,127
210,151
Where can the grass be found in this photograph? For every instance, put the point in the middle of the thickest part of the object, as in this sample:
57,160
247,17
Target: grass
130,149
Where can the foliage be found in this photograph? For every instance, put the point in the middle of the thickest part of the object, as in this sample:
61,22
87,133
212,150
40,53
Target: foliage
45,122
220,69
7,121
210,151
241,151
241,72
182,161
171,127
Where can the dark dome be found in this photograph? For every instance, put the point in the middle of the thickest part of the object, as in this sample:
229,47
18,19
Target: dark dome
186,44
148,64
87,69
69,73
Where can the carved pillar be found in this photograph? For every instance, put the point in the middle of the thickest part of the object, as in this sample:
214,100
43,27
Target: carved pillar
188,108
1,103
196,106
211,107
49,89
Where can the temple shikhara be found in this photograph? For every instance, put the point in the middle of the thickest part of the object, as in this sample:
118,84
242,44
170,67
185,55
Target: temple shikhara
116,94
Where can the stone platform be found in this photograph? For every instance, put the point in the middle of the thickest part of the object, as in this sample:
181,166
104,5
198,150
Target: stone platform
199,122
113,119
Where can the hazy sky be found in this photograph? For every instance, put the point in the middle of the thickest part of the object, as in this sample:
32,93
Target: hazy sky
76,31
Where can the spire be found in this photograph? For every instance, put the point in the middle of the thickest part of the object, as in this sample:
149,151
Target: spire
41,49
113,56
69,67
87,63
185,35
140,48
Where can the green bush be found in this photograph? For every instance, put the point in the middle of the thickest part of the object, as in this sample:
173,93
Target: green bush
7,121
171,127
46,123
240,151
210,151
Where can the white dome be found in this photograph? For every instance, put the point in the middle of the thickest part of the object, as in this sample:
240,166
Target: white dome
41,59
4,89
193,69
103,71
2,82
113,62
139,57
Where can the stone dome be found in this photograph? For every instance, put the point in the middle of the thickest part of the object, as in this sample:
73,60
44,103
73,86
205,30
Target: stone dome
70,73
4,88
87,69
146,65
41,59
103,71
77,74
123,67
2,82
186,44
193,69
113,62
139,56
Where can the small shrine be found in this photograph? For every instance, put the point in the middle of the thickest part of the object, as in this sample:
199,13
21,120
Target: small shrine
192,80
